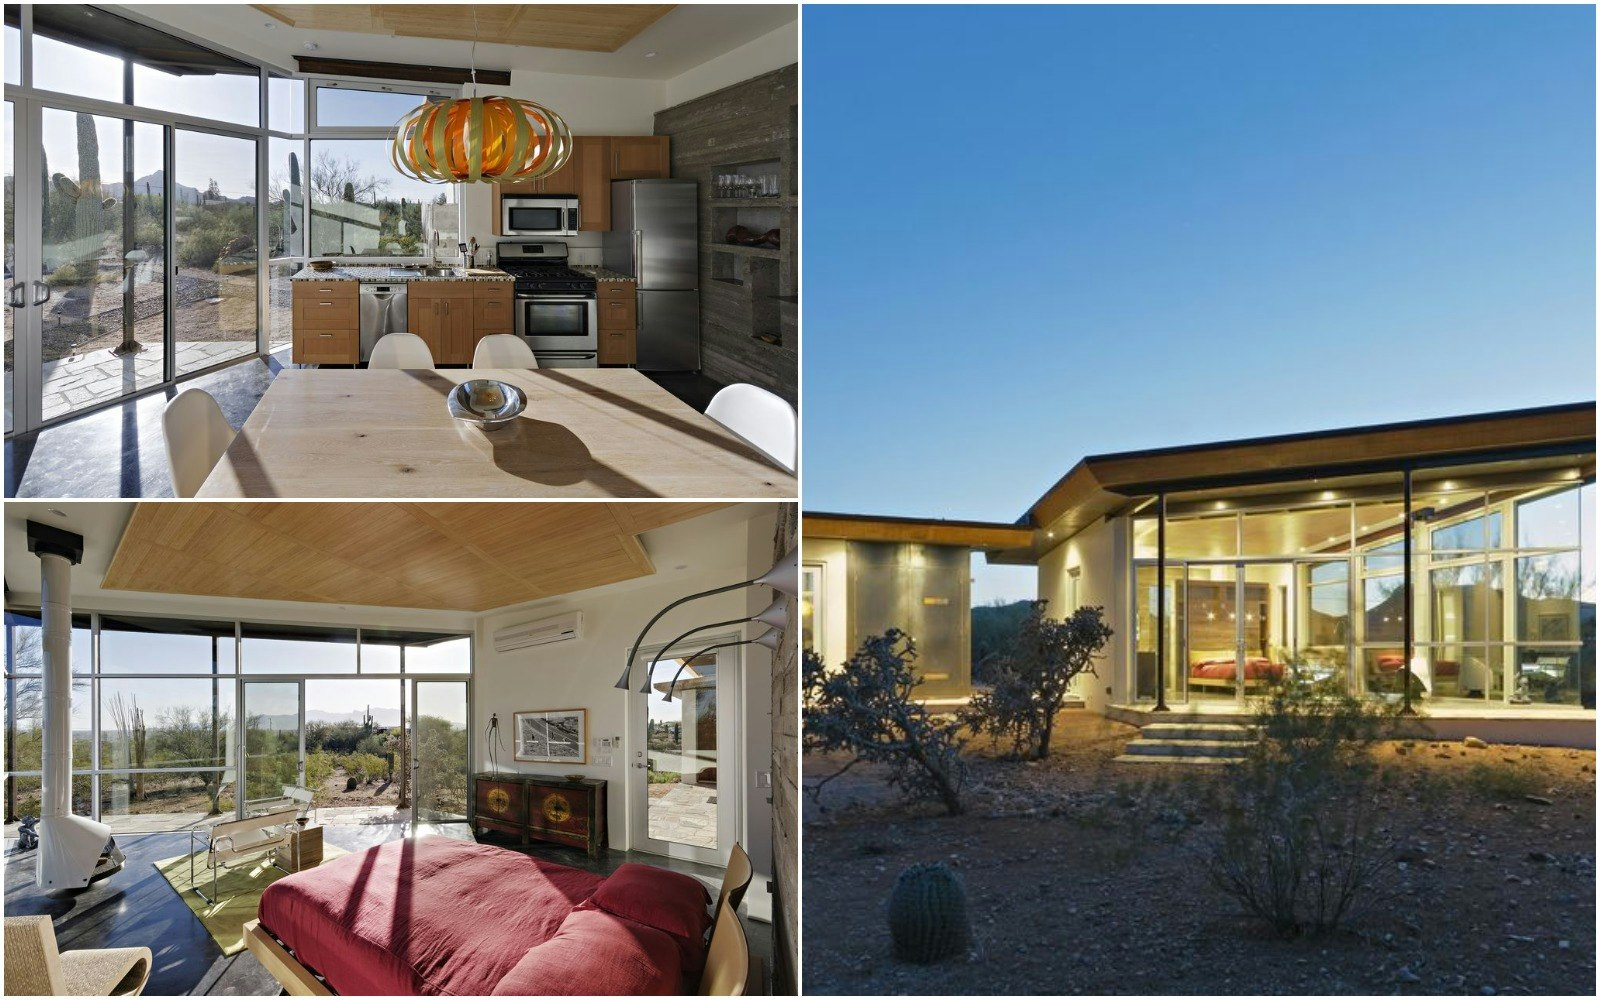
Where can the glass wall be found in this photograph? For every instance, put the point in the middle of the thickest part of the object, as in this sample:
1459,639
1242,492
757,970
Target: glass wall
160,136
170,709
1306,582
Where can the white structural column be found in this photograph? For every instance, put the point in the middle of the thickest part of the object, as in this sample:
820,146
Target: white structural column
70,847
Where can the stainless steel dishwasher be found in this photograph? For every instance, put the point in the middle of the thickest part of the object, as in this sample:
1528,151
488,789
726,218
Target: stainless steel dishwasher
383,311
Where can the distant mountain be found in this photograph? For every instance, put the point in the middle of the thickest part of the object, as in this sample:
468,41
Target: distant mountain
380,716
152,183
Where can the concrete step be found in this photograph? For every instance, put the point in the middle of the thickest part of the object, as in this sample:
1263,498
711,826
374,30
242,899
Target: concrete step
1150,759
1186,748
1197,731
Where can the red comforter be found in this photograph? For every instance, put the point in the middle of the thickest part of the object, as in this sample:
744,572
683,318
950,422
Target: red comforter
1255,668
438,916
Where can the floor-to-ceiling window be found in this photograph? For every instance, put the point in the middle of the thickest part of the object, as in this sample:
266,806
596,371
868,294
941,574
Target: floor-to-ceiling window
1306,582
150,180
180,722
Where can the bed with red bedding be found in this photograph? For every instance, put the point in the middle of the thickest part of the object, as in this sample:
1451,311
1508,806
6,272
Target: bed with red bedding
442,917
1219,672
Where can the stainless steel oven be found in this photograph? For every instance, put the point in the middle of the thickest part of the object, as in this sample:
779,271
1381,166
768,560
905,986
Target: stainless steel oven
538,215
562,329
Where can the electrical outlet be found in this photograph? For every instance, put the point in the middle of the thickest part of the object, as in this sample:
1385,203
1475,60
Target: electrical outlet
763,779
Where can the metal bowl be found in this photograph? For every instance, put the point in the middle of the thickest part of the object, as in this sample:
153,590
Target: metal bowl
486,403
574,777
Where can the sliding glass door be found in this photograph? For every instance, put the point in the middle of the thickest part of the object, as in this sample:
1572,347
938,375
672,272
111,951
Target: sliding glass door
273,716
215,255
440,761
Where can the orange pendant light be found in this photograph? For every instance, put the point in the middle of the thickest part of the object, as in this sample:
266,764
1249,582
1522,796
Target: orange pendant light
472,139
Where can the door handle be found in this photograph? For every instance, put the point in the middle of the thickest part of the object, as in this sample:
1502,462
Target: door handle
638,257
47,291
14,297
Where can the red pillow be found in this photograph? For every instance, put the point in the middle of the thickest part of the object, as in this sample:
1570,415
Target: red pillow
671,902
595,953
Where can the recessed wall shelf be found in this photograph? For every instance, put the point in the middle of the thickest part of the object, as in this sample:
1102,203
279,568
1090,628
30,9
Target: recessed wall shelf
746,251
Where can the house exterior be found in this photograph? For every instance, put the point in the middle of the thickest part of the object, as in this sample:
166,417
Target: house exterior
1225,567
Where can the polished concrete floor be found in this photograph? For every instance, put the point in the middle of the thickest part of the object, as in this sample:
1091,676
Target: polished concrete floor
136,906
120,452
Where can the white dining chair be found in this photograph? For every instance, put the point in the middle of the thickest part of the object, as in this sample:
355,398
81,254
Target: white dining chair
197,434
400,350
503,350
759,417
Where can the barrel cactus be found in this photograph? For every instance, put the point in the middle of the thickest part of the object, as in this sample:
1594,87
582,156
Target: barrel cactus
928,914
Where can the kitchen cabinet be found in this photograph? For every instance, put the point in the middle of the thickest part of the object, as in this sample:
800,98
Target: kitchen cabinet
618,326
640,157
327,323
441,313
491,310
596,161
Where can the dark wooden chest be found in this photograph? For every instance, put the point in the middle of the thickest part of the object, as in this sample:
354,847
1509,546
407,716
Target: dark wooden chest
543,807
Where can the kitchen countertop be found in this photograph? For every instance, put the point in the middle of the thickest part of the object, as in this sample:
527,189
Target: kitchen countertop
601,273
381,273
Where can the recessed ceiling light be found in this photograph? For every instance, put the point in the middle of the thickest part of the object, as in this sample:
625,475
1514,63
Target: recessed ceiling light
310,46
269,25
58,512
649,55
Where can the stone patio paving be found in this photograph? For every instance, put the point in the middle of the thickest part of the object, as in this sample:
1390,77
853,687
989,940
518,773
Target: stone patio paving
686,814
82,380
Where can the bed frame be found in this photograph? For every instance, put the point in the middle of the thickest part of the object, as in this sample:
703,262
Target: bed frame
728,971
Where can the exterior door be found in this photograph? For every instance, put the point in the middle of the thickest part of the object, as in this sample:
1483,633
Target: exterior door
440,759
685,777
274,743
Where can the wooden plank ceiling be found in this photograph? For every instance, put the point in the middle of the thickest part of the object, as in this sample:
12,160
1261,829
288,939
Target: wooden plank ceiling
444,556
588,27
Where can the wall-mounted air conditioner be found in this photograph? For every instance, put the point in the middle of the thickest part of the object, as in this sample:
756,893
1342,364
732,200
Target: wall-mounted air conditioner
540,633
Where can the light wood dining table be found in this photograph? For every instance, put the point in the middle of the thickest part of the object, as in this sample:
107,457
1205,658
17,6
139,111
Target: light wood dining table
587,432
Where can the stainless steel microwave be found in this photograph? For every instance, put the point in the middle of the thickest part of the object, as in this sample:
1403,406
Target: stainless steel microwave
538,215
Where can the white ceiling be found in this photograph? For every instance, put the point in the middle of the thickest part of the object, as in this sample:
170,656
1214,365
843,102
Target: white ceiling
713,542
685,38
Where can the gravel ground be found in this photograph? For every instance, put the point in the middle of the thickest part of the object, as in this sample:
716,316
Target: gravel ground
1077,884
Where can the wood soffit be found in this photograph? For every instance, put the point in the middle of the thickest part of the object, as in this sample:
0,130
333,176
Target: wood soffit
582,27
437,556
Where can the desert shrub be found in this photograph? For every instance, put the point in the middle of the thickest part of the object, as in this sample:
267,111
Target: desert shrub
372,766
319,768
665,777
201,246
1301,846
866,710
1502,781
1033,676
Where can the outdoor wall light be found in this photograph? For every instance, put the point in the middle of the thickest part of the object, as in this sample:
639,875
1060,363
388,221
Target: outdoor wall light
770,639
784,577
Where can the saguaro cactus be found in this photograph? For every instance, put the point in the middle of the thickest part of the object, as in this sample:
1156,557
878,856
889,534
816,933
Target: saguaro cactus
928,914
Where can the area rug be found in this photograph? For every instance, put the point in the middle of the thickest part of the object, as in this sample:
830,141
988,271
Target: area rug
238,895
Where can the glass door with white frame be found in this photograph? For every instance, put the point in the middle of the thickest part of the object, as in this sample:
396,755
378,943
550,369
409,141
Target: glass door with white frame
274,719
441,763
684,782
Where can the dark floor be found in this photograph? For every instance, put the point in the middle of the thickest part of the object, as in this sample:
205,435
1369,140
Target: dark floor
120,451
136,906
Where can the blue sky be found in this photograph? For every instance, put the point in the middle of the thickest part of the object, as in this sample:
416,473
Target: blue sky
1038,233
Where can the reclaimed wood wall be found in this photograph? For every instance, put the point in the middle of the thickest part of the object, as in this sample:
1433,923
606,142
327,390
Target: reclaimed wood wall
743,295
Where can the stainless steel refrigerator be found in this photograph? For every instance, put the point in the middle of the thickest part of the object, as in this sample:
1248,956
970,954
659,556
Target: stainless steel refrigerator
655,236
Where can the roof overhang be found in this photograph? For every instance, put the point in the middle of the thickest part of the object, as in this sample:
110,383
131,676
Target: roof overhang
986,536
1103,485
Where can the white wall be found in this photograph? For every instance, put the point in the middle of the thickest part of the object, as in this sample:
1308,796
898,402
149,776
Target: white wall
713,551
774,50
758,695
1100,554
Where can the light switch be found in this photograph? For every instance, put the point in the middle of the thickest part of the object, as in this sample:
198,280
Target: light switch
763,779
602,760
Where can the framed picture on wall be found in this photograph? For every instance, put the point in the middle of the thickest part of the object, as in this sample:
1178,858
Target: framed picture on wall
558,736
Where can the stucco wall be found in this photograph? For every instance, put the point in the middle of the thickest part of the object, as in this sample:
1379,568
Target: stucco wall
1100,554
